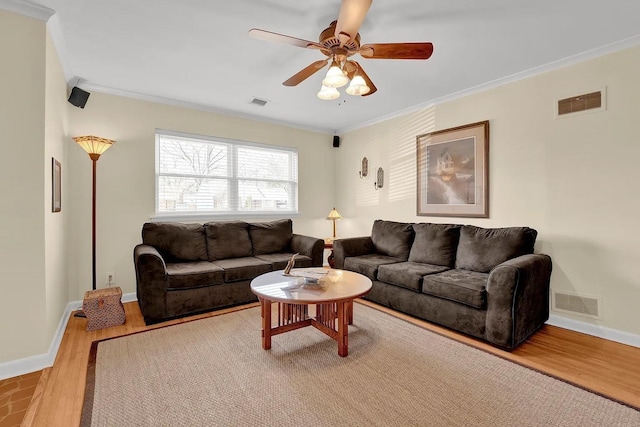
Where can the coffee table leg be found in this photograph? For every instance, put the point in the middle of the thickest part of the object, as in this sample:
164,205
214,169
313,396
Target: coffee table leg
343,328
350,309
266,323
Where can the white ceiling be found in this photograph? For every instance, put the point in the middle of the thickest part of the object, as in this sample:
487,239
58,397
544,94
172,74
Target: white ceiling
198,51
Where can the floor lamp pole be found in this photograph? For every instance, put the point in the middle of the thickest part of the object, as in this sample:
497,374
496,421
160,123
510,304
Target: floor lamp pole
94,160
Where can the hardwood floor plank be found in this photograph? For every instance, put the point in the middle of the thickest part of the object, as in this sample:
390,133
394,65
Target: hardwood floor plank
606,367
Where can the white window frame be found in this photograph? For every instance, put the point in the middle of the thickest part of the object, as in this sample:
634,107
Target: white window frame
233,212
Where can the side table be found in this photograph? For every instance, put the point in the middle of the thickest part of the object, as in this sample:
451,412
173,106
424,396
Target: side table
328,244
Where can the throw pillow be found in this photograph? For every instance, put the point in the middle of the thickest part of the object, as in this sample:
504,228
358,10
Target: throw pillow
271,237
392,238
435,244
176,241
481,249
228,240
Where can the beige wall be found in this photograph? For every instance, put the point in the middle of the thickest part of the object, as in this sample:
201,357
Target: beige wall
56,107
126,178
573,179
23,323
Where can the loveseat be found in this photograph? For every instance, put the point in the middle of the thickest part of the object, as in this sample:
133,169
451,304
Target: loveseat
183,269
484,282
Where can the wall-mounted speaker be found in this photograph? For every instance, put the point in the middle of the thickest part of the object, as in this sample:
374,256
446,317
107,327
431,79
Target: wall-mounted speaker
78,97
336,141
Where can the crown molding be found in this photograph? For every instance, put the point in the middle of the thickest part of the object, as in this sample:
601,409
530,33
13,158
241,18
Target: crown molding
86,85
565,62
28,9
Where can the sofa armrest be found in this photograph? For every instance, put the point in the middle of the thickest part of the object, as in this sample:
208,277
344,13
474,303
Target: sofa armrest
309,246
517,299
151,282
352,246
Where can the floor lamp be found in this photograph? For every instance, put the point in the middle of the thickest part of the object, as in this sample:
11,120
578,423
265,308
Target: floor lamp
94,146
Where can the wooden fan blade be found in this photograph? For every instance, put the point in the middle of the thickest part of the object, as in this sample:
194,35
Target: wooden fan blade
352,13
366,78
305,73
281,38
397,50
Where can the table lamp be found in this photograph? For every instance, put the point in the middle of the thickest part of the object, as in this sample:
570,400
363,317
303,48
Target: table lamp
334,215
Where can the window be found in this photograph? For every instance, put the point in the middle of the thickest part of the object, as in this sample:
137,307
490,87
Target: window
204,175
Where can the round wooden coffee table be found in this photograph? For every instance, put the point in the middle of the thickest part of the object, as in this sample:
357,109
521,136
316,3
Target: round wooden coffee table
333,299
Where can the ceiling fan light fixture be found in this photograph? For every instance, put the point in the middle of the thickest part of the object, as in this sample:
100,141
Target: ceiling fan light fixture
328,93
358,86
335,76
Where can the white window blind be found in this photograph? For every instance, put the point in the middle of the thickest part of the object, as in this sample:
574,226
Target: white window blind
206,175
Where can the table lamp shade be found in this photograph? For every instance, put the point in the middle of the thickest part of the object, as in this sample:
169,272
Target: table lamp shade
94,145
334,214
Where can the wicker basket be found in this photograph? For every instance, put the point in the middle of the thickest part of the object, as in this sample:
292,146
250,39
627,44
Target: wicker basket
103,308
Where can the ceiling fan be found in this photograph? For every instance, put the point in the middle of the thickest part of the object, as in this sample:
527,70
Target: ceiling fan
338,43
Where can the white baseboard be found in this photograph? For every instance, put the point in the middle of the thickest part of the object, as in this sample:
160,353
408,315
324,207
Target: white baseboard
30,364
35,363
594,330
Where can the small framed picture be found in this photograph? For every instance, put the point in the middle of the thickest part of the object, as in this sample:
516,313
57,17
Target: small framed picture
56,184
453,172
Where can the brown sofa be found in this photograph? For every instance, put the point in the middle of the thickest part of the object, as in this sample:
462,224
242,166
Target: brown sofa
183,269
484,282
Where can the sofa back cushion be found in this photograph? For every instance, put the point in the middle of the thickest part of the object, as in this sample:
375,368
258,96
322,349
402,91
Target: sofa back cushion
435,244
481,249
271,237
176,241
228,239
392,238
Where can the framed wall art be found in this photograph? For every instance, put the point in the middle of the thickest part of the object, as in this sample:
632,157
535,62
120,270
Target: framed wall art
453,172
56,186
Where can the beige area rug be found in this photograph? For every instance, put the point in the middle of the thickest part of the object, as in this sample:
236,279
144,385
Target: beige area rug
213,372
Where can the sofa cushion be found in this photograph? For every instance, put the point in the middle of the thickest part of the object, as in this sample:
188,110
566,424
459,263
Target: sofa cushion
183,275
176,241
481,249
463,286
246,268
271,237
435,244
279,261
407,274
228,239
392,238
368,264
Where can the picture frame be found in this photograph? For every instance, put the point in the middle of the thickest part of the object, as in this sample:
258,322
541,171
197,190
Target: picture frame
453,172
56,186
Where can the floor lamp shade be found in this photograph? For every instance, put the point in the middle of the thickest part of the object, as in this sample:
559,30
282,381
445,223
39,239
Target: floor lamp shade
94,146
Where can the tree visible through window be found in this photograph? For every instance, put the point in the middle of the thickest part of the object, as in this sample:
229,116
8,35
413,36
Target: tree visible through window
196,174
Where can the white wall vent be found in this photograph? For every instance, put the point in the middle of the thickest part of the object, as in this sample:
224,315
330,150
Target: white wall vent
259,102
580,305
579,104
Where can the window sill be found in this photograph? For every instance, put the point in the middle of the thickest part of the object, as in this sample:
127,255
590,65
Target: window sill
227,216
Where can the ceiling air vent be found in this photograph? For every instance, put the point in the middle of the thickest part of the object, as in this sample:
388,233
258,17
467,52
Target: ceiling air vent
588,102
259,102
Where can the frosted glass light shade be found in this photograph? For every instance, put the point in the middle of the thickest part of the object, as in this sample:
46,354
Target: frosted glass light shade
358,86
94,145
335,77
328,93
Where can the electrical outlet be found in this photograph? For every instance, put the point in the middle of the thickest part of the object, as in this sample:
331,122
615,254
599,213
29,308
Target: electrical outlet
111,278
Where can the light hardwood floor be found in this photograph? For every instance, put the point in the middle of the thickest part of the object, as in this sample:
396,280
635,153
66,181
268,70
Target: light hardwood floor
606,367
